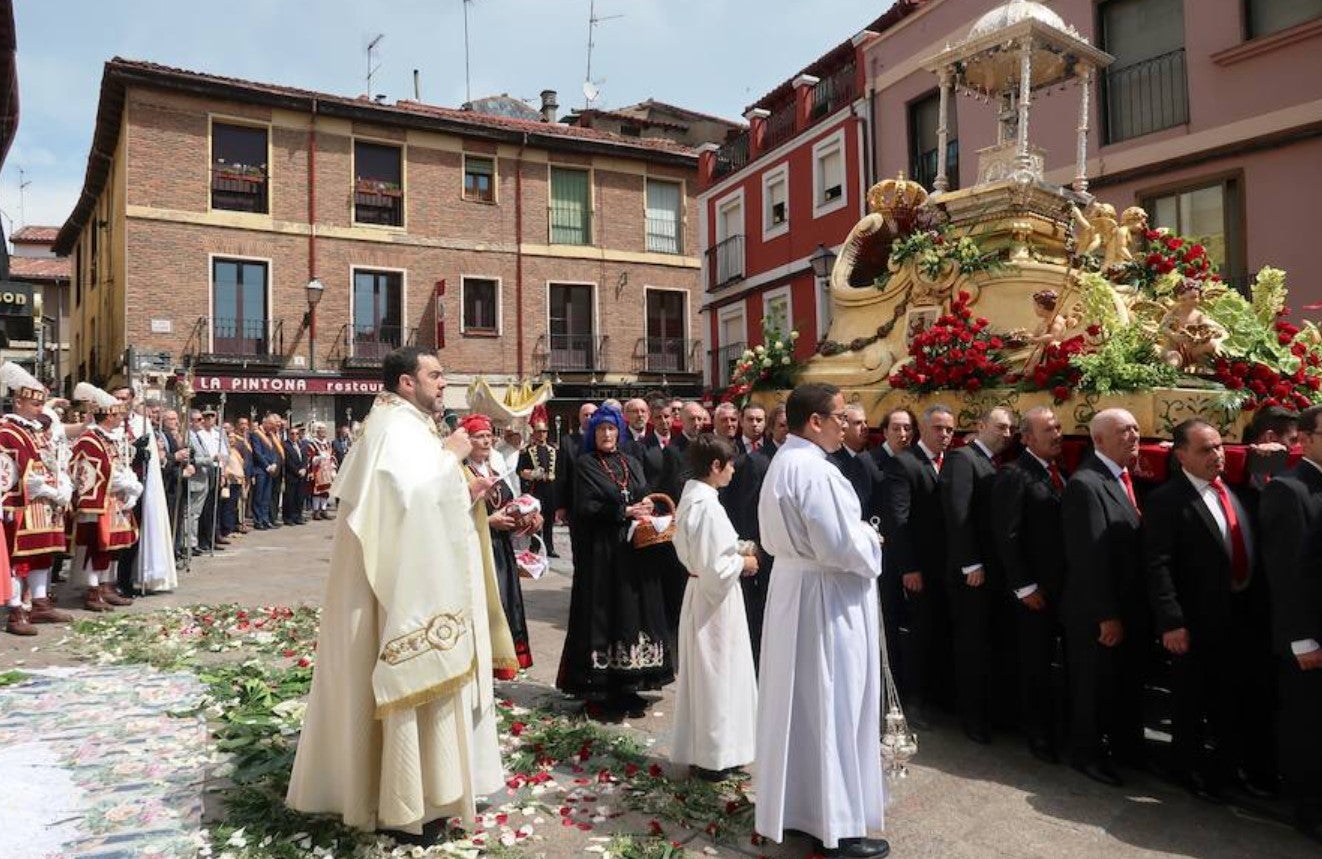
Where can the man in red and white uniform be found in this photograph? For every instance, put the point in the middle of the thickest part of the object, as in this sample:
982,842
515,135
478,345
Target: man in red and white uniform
105,490
35,494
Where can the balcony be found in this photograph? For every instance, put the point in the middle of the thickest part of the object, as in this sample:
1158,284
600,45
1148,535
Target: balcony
378,202
663,234
673,355
572,353
779,127
832,93
731,157
220,340
238,188
725,357
369,344
1146,96
725,263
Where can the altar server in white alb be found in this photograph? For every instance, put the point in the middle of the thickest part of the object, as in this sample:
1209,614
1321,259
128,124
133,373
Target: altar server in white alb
401,722
819,707
716,702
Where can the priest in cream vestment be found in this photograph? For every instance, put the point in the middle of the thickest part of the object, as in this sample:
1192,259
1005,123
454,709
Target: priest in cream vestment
819,700
401,723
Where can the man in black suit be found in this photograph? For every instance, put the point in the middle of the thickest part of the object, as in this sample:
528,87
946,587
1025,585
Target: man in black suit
778,429
296,474
914,527
1105,602
636,414
1291,516
974,575
674,464
570,445
1197,546
752,428
739,498
857,464
897,432
537,469
1026,521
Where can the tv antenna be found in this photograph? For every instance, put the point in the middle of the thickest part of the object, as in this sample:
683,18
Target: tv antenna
372,65
468,82
590,91
23,184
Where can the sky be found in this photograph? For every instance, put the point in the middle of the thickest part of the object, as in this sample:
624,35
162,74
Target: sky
714,56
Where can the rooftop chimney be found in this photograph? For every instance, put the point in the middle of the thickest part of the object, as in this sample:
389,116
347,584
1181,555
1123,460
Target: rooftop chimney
549,105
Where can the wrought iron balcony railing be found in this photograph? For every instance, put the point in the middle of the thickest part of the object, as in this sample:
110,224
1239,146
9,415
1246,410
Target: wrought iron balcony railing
574,352
666,354
726,356
371,343
1146,96
731,157
725,262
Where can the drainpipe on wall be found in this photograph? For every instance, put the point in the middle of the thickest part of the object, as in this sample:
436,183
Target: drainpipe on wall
312,223
518,257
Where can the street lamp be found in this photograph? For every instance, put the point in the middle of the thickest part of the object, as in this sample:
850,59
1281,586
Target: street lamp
314,291
822,262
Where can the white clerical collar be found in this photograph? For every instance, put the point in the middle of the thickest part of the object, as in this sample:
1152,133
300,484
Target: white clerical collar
1111,464
984,448
793,441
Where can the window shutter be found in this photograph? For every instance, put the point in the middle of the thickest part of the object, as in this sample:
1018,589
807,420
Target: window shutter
663,217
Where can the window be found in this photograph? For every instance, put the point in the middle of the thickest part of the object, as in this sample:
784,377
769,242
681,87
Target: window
666,347
924,143
479,179
378,184
481,305
775,203
238,168
733,342
824,308
1212,215
1145,89
630,131
829,175
571,207
776,310
377,313
572,343
664,216
725,259
1263,17
238,307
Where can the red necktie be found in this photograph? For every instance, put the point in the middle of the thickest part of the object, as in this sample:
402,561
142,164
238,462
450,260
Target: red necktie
1239,551
1056,480
1129,488
756,445
937,460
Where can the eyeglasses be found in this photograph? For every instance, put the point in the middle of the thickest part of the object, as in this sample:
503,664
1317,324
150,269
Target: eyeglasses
839,416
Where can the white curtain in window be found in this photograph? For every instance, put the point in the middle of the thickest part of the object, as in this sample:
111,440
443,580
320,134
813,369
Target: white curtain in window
663,200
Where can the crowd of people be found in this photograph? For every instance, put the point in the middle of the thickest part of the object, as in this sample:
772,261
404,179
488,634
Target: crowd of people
1075,608
115,493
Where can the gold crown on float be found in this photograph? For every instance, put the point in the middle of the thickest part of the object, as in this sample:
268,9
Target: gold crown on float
890,197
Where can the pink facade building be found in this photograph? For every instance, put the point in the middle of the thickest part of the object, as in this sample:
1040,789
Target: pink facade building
1209,117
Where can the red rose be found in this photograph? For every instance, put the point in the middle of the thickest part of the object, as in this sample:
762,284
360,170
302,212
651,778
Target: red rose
1197,251
1284,338
517,728
996,343
1154,259
1061,393
1152,235
1313,382
1174,243
973,384
655,771
1094,330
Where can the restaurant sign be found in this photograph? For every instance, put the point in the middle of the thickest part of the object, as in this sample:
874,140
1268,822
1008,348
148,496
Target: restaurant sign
285,385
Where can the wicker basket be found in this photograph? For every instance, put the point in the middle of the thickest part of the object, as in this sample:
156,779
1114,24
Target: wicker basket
646,533
532,564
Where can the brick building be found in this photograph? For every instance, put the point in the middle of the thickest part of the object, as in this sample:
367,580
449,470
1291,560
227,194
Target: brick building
278,242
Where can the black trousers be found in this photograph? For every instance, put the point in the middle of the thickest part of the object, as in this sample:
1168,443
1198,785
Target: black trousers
1300,736
755,603
293,503
206,530
1037,637
926,664
546,496
972,612
1203,686
1106,692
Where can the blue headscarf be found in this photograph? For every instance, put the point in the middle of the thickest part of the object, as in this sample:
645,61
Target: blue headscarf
603,415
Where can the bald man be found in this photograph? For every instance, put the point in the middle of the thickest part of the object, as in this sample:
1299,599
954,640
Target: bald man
1105,601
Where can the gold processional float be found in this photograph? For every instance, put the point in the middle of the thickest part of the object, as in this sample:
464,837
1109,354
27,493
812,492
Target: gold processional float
1019,292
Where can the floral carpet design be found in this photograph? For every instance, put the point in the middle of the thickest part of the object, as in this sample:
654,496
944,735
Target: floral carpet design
107,771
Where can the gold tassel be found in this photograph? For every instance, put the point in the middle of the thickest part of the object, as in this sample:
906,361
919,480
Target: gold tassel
417,699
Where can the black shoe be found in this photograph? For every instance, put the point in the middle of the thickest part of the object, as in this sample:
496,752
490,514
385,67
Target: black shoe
978,734
1044,751
1256,786
1206,790
858,848
552,555
197,553
632,705
261,526
706,774
1100,772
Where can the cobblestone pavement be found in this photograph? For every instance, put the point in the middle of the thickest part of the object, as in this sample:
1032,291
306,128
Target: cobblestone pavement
958,800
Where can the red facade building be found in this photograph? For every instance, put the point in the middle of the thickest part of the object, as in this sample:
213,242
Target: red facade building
794,180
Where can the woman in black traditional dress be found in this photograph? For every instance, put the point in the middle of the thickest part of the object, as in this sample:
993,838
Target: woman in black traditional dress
616,643
503,526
